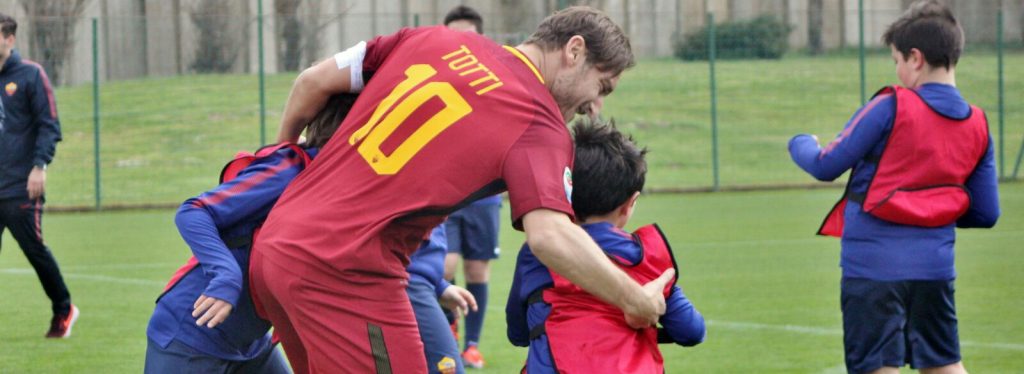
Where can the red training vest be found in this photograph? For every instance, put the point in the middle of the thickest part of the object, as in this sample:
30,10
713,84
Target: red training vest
920,176
588,335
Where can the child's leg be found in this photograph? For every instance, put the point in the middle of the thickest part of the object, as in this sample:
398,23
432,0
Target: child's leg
932,327
270,361
180,358
874,318
439,345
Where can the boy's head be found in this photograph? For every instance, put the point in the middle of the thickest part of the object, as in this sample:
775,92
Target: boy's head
322,127
925,37
609,172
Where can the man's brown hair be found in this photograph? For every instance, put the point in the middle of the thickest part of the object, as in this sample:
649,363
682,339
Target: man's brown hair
930,27
8,26
607,45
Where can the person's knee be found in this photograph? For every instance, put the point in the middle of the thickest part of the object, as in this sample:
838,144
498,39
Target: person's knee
451,261
957,368
477,271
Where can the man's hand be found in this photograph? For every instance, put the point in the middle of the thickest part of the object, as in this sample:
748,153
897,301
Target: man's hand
647,314
36,183
210,311
458,300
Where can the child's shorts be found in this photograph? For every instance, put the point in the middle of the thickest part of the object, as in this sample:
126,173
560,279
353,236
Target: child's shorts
898,323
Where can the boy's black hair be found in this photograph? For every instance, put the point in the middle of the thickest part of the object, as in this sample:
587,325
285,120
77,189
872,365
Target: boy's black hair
463,12
608,170
322,127
8,26
930,27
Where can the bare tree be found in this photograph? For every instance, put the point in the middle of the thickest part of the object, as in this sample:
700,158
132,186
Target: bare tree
53,36
219,33
815,22
289,31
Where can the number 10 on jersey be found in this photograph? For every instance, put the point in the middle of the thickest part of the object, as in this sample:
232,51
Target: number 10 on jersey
408,96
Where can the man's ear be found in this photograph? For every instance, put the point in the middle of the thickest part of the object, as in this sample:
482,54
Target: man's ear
575,50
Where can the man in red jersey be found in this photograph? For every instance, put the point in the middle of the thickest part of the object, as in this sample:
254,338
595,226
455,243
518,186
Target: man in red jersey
449,117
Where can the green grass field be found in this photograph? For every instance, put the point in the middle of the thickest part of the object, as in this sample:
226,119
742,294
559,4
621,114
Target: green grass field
749,262
163,139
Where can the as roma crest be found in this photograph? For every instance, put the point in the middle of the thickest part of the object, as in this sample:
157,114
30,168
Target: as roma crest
11,88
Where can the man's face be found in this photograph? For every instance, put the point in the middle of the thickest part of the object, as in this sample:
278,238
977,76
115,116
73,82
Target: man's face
581,90
462,25
6,44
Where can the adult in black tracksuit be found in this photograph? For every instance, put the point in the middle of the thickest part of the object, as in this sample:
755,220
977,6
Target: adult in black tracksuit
29,131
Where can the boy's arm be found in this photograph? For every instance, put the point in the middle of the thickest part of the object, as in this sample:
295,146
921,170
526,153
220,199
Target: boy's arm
983,185
567,250
682,322
247,197
867,127
518,330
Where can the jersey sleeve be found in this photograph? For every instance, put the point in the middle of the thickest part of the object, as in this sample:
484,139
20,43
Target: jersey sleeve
44,116
538,172
378,49
865,130
247,197
682,322
983,185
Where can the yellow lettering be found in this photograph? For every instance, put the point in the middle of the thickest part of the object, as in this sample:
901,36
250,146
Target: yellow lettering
489,88
462,50
463,62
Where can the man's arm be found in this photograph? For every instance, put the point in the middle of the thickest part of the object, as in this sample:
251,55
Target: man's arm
566,249
44,118
309,94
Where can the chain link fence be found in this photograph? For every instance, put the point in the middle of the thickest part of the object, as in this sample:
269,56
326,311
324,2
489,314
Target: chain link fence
154,96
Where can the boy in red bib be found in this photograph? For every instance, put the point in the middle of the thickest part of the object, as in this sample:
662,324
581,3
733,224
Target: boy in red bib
569,330
923,165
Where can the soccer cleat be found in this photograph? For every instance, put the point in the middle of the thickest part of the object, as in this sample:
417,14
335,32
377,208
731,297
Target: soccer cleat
455,330
472,358
60,325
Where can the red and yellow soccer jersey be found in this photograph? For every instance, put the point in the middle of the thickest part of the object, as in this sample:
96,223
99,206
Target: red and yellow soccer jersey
448,117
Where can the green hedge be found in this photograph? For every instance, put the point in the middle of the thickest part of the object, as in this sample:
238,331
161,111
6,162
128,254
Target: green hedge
763,37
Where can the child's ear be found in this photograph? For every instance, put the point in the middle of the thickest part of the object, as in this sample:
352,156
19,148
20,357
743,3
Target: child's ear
629,206
916,59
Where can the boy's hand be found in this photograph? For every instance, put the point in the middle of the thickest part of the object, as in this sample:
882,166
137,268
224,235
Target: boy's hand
210,311
653,292
458,300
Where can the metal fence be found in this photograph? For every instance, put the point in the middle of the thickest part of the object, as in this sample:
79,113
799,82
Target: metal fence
151,107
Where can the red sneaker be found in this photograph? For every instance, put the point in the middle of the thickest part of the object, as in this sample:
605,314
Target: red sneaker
455,330
472,358
60,325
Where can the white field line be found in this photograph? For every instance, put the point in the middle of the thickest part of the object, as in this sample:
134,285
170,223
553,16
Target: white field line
821,331
91,277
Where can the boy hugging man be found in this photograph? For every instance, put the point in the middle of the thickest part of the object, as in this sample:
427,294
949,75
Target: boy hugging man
569,330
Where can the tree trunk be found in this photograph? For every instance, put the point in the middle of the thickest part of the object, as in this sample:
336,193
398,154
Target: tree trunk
815,22
53,36
289,31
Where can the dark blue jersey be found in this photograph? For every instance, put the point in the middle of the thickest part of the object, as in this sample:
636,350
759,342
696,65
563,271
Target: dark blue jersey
218,226
682,322
29,129
876,249
427,263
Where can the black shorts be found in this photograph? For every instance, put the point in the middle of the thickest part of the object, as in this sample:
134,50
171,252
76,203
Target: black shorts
473,231
898,323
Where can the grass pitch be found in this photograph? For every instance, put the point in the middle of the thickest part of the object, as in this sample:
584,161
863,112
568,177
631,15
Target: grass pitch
749,261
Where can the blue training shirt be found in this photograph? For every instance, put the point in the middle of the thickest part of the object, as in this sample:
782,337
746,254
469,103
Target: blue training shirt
226,213
427,263
683,323
876,249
